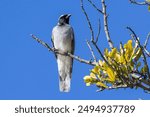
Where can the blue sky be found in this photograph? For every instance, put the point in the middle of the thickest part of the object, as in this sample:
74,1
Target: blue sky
29,71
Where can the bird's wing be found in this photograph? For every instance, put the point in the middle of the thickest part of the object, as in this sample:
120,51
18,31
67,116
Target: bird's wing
72,45
52,40
73,42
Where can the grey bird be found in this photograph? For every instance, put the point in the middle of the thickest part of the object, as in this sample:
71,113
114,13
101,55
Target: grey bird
63,40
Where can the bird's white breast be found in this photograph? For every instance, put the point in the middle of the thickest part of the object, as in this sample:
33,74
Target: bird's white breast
63,36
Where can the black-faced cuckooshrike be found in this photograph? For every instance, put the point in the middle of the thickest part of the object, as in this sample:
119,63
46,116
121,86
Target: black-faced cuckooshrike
63,40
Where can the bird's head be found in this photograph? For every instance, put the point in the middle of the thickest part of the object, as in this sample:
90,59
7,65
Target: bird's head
64,19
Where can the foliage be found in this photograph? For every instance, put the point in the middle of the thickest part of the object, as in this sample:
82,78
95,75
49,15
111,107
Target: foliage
118,68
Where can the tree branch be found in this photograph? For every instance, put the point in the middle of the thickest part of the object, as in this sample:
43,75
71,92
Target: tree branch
106,25
88,20
101,54
90,27
99,29
124,86
147,39
106,29
114,87
143,54
139,3
146,43
147,52
91,50
143,87
62,53
95,7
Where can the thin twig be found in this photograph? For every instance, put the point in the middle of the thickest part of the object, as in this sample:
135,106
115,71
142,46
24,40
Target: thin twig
145,45
106,25
101,54
88,20
92,33
143,54
114,87
143,87
99,29
95,7
62,53
124,86
147,39
147,52
139,3
91,50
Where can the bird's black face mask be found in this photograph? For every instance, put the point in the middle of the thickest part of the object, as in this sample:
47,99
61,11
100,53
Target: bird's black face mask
64,19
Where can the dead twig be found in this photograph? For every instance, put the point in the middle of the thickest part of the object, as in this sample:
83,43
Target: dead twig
88,20
114,87
147,39
142,48
91,50
106,25
95,6
99,29
145,45
139,3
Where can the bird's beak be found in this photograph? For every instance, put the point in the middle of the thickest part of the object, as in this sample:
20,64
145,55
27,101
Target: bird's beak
69,15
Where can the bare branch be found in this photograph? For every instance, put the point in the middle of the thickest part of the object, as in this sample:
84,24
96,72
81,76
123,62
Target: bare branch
143,87
124,86
146,43
143,54
101,54
91,50
62,53
114,87
147,52
95,7
106,25
147,39
88,20
99,29
139,3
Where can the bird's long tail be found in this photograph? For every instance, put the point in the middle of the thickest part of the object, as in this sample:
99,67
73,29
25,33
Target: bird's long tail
65,72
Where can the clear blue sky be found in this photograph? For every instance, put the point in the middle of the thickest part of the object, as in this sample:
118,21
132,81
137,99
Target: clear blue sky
29,71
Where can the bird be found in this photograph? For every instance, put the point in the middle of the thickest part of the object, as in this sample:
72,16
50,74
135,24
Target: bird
63,40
